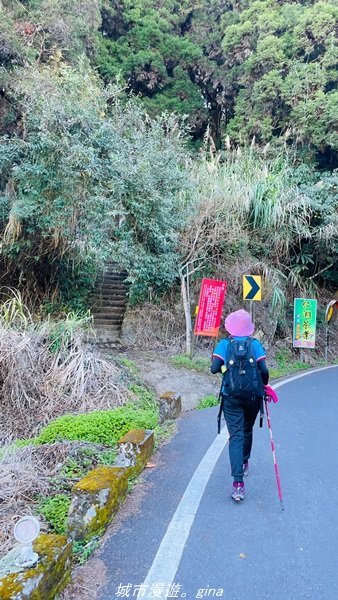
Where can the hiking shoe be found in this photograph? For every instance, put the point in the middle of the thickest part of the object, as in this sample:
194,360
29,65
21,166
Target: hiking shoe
246,469
237,492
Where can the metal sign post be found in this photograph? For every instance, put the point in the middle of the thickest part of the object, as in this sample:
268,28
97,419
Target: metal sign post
252,291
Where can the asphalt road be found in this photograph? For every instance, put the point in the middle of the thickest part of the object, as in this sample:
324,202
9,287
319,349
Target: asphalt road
204,545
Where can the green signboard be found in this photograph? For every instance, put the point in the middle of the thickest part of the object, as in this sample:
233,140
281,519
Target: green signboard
304,323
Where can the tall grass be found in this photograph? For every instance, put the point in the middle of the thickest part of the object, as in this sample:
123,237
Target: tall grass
247,214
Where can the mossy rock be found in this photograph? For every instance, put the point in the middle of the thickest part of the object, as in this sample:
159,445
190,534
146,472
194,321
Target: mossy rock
95,500
135,449
47,578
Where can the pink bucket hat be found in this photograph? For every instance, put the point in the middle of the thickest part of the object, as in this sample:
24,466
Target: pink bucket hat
239,323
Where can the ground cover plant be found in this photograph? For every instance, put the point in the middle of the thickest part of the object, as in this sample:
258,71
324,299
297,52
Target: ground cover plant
199,363
208,402
37,479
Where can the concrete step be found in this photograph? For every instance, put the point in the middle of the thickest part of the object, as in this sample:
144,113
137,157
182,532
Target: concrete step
117,285
106,348
108,322
106,336
111,301
115,272
108,342
112,267
111,279
109,294
109,310
120,294
109,298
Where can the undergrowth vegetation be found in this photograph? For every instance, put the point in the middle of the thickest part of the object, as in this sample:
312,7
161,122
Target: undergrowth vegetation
55,510
286,363
67,405
261,213
208,402
38,479
48,368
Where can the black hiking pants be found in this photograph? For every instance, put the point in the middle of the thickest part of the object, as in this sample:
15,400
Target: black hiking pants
240,417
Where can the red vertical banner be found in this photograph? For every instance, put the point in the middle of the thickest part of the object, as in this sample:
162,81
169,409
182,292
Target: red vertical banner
210,307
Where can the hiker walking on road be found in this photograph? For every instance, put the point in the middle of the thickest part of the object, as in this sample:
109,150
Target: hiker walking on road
241,360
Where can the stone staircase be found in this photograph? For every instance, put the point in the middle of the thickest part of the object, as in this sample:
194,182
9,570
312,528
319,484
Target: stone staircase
109,304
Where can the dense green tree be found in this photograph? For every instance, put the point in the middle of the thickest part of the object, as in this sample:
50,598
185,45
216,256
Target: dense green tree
256,68
281,59
143,44
87,178
40,27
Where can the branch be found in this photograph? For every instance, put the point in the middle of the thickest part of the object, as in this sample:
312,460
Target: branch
321,271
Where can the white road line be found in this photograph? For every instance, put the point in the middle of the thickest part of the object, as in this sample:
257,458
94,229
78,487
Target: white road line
294,377
169,553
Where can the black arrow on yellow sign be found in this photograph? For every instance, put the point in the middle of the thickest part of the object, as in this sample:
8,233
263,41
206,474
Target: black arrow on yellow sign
252,287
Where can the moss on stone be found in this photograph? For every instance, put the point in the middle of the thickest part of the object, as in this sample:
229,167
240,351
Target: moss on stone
168,395
47,578
99,478
134,436
96,498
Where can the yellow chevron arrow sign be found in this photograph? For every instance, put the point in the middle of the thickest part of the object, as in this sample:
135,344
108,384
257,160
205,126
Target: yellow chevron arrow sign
252,287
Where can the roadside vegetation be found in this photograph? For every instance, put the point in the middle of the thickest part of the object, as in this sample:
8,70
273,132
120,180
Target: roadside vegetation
208,402
63,409
48,368
199,364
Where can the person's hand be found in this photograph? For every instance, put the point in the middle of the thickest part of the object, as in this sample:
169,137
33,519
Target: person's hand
270,394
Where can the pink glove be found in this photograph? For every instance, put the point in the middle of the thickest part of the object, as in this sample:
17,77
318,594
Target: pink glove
270,394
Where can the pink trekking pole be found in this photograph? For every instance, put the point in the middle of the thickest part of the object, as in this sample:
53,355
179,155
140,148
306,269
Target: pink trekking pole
274,457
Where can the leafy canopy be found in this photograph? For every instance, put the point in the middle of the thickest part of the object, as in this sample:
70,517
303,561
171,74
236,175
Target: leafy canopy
281,60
